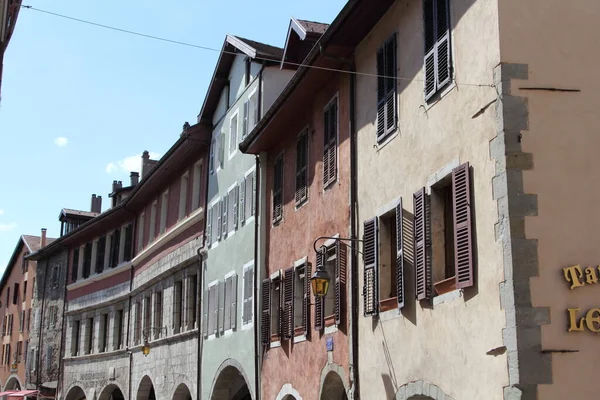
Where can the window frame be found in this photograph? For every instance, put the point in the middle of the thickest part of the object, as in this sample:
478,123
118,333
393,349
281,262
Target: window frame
334,99
212,314
439,87
382,102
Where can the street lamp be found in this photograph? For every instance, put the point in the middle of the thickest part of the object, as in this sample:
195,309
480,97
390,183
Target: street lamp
146,332
320,279
13,366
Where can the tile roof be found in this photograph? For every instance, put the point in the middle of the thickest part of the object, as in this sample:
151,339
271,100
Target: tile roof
34,242
263,49
312,26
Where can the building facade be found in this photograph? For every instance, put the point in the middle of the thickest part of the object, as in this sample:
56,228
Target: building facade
246,81
16,292
9,11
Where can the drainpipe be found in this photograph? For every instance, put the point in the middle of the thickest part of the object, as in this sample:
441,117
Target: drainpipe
354,231
257,226
63,333
201,256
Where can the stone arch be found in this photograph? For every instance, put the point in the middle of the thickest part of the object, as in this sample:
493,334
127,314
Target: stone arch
13,383
112,391
421,390
333,383
182,392
288,392
145,389
75,393
230,382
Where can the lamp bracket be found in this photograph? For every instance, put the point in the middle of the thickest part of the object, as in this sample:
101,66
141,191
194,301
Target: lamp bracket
337,239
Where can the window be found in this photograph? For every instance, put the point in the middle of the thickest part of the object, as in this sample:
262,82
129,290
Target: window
248,293
330,263
164,206
140,232
253,116
7,296
16,293
115,242
387,110
197,186
103,345
230,305
221,150
275,309
211,308
87,260
301,168
28,322
191,301
128,248
438,57
118,329
4,322
330,131
233,136
153,220
247,197
296,302
147,315
100,251
278,189
19,352
209,217
75,331
24,290
217,223
22,321
232,208
137,323
248,64
75,265
183,194
442,230
89,337
158,314
224,215
7,355
330,310
10,325
49,353
24,262
211,162
177,305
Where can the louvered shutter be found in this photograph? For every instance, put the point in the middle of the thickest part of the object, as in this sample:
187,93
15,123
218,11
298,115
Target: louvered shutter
399,255
380,92
319,301
390,84
330,148
221,310
245,126
443,43
278,189
248,290
205,305
253,198
301,168
288,304
222,149
430,48
219,211
423,272
209,226
224,211
438,62
214,301
340,282
326,117
227,304
233,301
242,216
306,300
235,201
370,258
265,320
463,241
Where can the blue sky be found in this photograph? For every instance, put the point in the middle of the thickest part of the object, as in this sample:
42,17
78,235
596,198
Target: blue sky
81,103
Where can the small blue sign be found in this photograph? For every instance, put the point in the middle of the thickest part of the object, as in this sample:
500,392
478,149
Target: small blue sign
329,344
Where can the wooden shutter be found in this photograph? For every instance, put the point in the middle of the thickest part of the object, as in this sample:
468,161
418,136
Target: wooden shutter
279,282
233,301
205,305
222,149
430,70
301,168
224,211
245,125
340,281
399,255
443,43
423,273
214,306
209,225
128,242
319,302
306,300
329,147
278,189
253,198
438,63
235,201
463,241
390,84
227,305
219,211
248,289
380,91
242,199
288,304
265,320
221,312
370,258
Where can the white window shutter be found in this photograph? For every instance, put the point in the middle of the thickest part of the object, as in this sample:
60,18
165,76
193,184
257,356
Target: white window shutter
226,308
233,301
242,196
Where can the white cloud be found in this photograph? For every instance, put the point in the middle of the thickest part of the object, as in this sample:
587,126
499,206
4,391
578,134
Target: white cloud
128,164
61,141
7,227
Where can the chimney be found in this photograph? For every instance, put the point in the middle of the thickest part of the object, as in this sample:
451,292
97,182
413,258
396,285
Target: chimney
135,178
145,163
116,185
43,239
96,204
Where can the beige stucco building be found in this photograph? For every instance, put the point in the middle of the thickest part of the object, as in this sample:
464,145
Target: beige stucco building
483,138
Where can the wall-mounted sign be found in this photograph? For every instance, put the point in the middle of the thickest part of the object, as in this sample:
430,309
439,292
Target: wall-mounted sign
579,277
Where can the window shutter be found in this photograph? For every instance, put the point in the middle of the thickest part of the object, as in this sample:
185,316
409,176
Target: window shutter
390,84
219,211
224,210
371,286
265,322
430,48
301,168
222,149
288,304
209,225
380,92
235,201
399,255
330,148
245,125
233,302
306,300
242,199
423,272
253,200
319,303
340,282
227,304
248,289
214,305
463,240
205,301
278,189
221,309
249,196
326,117
443,43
